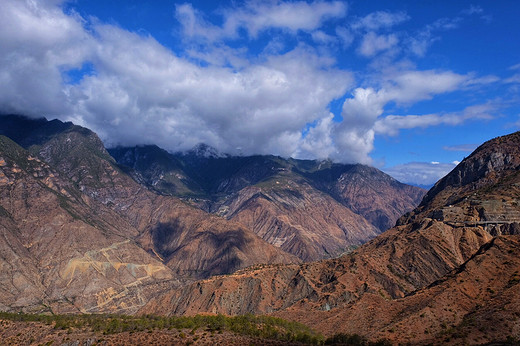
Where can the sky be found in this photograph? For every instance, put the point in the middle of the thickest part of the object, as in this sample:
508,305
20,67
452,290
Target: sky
410,87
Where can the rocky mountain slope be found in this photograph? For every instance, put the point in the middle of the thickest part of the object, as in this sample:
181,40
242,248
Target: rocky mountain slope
89,238
449,272
62,251
311,209
376,196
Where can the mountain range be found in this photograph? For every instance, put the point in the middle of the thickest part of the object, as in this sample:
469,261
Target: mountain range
93,234
311,209
143,231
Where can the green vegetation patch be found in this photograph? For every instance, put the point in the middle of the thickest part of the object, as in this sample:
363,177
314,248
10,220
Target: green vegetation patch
257,326
265,327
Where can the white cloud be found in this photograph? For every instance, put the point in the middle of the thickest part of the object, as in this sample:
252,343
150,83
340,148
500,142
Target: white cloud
379,20
420,42
373,43
257,16
473,9
420,173
367,104
141,92
194,25
391,124
345,35
318,141
362,112
322,38
261,108
514,79
353,144
37,42
515,67
461,147
412,86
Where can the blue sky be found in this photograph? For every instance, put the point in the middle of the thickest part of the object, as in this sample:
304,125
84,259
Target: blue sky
411,87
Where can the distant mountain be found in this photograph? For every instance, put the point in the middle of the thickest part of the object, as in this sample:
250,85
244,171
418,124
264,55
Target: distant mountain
311,209
448,273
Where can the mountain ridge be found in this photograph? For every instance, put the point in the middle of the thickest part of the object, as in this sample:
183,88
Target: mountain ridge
309,208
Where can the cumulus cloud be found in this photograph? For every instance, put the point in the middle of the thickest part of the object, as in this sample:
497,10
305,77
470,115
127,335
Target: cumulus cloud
261,108
37,43
362,112
141,92
293,16
420,173
318,141
367,104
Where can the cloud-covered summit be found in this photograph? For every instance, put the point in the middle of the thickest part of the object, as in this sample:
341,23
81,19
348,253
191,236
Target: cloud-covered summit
307,79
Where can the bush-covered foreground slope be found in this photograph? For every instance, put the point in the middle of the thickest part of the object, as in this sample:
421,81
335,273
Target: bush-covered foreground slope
449,273
19,328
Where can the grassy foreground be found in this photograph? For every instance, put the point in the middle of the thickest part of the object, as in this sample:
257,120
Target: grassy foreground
264,327
256,326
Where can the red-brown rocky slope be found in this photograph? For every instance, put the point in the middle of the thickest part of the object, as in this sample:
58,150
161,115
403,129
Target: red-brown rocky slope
63,252
298,218
367,191
311,209
78,234
444,274
191,242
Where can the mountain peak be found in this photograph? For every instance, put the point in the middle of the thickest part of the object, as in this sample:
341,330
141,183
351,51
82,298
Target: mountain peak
203,150
485,166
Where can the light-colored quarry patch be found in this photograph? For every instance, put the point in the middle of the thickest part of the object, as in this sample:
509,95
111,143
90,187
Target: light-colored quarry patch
100,260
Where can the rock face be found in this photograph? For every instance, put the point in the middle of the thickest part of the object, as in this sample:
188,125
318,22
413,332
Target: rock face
311,209
449,272
87,237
